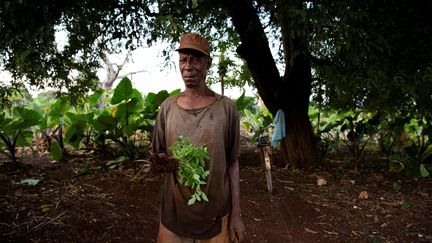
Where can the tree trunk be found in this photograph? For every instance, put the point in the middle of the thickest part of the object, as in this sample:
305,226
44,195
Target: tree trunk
289,93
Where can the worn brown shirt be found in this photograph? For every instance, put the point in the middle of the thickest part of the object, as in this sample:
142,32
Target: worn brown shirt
215,126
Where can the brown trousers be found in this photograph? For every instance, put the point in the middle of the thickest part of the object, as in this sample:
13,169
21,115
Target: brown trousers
167,236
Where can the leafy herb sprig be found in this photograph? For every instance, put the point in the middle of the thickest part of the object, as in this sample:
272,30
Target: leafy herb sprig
191,166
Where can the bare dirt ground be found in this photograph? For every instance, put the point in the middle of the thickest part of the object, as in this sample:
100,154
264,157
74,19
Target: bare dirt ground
121,204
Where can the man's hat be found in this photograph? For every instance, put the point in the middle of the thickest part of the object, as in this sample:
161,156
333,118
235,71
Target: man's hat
195,42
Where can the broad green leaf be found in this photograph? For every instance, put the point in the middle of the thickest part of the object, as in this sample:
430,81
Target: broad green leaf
24,138
127,108
428,152
160,97
136,94
423,171
74,135
27,117
77,118
95,97
175,92
59,108
104,122
122,92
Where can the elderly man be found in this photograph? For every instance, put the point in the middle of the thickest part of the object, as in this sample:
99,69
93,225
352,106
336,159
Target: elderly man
211,120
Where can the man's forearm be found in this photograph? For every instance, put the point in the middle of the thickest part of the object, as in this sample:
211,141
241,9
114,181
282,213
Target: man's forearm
234,175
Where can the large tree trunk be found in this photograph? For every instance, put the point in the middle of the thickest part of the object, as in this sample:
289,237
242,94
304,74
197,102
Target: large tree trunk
290,92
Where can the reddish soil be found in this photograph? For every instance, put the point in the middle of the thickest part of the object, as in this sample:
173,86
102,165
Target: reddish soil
121,204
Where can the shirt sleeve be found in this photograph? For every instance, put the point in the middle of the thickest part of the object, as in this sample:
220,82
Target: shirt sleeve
158,139
233,135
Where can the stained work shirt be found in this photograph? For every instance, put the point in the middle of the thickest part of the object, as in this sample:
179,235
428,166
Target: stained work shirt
216,127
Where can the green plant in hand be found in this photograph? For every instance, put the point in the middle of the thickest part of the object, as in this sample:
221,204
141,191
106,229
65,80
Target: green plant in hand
191,166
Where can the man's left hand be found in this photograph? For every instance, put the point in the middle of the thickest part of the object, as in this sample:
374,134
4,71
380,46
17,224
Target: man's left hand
236,228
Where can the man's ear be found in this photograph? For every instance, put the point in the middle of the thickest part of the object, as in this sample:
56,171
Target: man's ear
209,63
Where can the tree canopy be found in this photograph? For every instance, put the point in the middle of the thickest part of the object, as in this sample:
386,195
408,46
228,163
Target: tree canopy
374,55
363,53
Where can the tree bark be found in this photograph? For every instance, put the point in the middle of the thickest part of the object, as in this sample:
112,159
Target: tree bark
289,93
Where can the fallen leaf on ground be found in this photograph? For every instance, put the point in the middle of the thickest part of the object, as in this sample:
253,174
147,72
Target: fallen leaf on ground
363,195
330,232
321,182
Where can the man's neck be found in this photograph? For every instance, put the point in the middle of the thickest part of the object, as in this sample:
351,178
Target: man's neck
195,98
197,92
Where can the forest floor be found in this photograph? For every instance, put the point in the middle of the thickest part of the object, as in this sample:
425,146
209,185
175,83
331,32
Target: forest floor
83,200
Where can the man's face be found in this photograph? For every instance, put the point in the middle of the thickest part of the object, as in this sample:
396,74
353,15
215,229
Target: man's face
193,68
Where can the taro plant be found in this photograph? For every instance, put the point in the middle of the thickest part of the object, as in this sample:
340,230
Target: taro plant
327,136
419,149
128,102
392,136
120,121
358,129
151,107
55,123
15,129
79,129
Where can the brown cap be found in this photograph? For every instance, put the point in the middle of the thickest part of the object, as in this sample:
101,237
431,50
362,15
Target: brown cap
195,42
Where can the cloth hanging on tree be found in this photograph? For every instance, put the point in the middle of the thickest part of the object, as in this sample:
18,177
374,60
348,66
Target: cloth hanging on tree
279,127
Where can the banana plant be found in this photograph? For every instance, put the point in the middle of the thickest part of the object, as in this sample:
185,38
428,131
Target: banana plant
15,129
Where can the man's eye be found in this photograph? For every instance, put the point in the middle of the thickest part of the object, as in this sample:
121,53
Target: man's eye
195,60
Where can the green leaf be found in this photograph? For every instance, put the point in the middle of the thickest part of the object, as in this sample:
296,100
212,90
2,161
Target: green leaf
175,92
423,171
58,108
122,92
28,117
73,135
192,200
160,97
24,138
396,166
105,121
82,171
118,160
94,98
204,196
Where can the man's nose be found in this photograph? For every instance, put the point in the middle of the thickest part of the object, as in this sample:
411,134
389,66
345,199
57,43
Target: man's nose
188,63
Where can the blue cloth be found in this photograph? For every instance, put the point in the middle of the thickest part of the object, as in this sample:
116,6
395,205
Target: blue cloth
279,127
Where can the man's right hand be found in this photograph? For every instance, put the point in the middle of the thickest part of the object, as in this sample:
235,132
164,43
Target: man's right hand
161,163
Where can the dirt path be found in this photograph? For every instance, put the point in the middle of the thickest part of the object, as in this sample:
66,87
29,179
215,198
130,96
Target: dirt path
121,205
